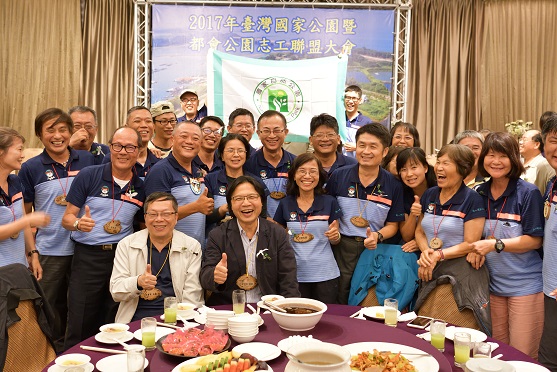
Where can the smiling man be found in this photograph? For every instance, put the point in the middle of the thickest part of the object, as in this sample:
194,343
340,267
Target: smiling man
84,132
538,171
212,128
165,121
354,118
241,121
190,104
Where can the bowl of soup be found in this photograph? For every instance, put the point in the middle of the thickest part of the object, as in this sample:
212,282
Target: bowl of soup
321,356
302,314
114,330
67,361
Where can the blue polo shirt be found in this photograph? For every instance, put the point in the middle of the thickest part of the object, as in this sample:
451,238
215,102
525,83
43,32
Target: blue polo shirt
12,250
95,187
99,151
550,241
514,274
379,203
169,176
274,178
217,185
314,259
140,169
201,113
341,161
352,127
217,164
450,217
43,180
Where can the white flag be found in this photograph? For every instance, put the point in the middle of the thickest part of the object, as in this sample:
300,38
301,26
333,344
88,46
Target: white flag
298,89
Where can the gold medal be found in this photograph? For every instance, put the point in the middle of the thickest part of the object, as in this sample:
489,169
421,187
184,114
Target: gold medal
61,200
277,195
246,282
435,243
359,221
150,294
15,236
546,209
303,237
113,227
490,237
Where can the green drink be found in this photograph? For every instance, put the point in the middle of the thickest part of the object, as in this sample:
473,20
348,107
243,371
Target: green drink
148,339
170,315
461,354
438,341
390,317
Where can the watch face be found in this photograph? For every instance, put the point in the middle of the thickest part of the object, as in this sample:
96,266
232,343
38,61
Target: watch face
499,245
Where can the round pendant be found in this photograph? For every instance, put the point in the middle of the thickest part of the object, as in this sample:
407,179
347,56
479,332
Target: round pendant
277,195
246,282
546,209
435,243
150,294
303,237
359,221
15,236
491,237
113,227
61,200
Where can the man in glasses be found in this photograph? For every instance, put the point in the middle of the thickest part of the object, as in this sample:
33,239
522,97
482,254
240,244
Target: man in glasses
155,263
538,171
103,204
165,121
212,128
354,118
190,104
84,132
241,121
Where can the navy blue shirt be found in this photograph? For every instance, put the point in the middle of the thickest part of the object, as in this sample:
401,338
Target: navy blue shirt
201,113
217,164
341,161
140,169
99,151
352,127
11,209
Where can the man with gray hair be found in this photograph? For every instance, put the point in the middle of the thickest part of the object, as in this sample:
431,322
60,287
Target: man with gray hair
84,132
538,171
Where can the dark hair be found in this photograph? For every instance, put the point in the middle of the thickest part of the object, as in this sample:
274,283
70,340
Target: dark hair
7,136
461,155
546,115
416,155
83,109
393,151
136,108
550,126
239,112
233,136
269,114
538,138
139,141
406,127
323,120
354,88
160,196
377,130
216,119
237,182
52,113
504,143
292,187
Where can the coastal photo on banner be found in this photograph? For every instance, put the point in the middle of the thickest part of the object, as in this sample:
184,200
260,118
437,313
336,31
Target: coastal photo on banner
293,60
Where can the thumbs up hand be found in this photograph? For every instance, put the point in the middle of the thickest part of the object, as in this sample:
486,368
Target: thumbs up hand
147,280
416,208
371,241
333,234
86,223
221,270
205,204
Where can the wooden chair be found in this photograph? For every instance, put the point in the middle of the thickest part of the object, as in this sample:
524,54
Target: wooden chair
370,299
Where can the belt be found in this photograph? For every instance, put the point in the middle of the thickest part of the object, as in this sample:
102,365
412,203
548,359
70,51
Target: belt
101,247
356,238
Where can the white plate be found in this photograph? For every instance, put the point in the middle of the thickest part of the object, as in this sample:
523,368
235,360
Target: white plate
200,318
192,361
100,337
422,364
476,336
527,366
288,342
261,350
118,362
89,367
291,367
192,315
159,332
376,312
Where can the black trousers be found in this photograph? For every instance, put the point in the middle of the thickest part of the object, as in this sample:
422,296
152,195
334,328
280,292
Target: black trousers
326,291
547,355
347,253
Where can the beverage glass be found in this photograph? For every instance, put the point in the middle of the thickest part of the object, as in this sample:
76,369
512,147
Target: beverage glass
437,331
391,311
170,310
461,348
238,301
148,328
136,358
481,350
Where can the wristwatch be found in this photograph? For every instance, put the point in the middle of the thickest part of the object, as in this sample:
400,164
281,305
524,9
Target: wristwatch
30,253
499,245
379,237
76,224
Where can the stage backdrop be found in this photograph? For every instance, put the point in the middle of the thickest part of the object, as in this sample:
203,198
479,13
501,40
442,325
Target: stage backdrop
190,40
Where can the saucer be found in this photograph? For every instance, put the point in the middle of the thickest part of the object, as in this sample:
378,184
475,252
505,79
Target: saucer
159,332
89,367
100,337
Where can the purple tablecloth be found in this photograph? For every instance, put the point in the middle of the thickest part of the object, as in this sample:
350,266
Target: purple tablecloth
335,327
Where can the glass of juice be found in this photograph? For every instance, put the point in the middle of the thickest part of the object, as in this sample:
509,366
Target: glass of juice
148,329
461,348
170,310
238,301
391,311
437,331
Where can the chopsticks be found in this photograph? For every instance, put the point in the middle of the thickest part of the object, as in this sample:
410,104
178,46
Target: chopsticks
168,325
102,350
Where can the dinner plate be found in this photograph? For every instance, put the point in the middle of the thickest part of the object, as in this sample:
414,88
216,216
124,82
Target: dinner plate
159,332
475,335
159,347
376,312
194,360
89,367
527,366
422,363
118,362
102,338
200,318
261,350
287,343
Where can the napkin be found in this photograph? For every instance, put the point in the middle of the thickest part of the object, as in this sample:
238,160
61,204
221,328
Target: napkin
407,317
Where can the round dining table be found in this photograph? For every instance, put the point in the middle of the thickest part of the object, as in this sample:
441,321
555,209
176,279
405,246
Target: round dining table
336,326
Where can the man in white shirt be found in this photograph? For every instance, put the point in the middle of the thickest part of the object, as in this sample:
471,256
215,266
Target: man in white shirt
538,171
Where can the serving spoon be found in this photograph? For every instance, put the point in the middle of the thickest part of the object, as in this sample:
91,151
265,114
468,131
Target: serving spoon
274,307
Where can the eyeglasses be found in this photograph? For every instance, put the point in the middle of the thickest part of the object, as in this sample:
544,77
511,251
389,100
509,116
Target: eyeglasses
406,138
320,136
88,127
267,132
349,98
247,126
166,122
165,215
208,131
312,172
118,148
187,100
241,198
232,151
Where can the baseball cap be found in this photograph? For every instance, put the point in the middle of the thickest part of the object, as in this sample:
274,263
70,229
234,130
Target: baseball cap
188,91
161,107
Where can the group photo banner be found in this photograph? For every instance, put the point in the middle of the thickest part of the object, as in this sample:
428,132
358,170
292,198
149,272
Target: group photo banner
290,59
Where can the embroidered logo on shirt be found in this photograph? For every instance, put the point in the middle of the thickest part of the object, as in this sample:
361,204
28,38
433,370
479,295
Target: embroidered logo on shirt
104,191
195,186
222,190
293,216
351,191
49,174
263,173
430,207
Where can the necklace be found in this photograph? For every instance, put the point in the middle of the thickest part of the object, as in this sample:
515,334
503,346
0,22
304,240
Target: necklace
247,281
492,230
436,242
359,221
61,199
114,226
153,294
304,237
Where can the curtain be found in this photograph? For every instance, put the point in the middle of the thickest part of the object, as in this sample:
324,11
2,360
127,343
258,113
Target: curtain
40,43
443,95
518,74
107,72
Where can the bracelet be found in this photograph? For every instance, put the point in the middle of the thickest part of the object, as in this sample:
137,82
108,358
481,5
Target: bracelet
30,253
441,255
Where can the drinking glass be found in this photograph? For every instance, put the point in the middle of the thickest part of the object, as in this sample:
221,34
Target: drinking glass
481,350
437,331
170,310
238,301
136,358
391,311
461,348
148,329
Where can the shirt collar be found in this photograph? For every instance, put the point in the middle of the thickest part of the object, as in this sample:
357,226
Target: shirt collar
243,232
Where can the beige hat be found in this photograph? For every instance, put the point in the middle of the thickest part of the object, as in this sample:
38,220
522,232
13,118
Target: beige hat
161,107
188,91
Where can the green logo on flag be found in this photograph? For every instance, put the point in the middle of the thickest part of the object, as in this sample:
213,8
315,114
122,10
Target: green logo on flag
279,94
278,100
